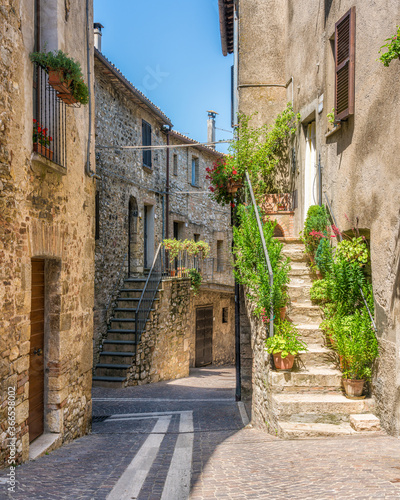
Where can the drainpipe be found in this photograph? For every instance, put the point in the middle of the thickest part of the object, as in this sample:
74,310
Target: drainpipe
89,33
167,190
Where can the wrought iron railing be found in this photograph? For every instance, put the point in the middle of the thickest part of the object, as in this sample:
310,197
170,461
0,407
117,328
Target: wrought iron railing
361,290
149,292
266,255
50,118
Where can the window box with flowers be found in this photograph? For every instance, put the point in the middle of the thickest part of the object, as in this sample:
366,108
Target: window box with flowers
42,141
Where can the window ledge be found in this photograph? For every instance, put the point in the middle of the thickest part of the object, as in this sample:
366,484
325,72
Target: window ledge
147,169
41,161
333,131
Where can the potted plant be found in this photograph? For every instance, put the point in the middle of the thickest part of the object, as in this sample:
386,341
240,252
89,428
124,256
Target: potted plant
195,280
225,180
65,75
41,140
284,345
393,47
357,347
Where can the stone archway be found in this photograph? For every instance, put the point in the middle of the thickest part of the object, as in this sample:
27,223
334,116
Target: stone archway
278,232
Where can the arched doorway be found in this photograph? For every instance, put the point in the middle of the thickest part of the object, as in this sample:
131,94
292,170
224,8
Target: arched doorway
132,235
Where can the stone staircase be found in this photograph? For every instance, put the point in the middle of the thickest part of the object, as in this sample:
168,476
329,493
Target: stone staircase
309,401
119,348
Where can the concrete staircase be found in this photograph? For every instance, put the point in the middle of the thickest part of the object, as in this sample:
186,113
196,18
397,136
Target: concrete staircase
308,401
119,348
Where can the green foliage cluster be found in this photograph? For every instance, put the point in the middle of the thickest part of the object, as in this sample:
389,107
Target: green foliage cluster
331,116
323,255
285,340
347,321
393,47
250,267
315,228
195,280
199,248
71,71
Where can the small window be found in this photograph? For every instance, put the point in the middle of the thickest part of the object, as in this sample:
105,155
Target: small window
196,237
195,171
175,164
224,315
146,141
220,262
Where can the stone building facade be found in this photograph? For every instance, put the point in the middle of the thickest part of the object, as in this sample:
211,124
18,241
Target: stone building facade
285,51
46,237
144,197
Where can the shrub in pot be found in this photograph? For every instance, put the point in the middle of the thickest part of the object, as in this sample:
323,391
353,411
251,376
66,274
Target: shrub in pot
284,345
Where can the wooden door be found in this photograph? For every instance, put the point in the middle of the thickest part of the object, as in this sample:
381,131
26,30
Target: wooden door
36,367
204,331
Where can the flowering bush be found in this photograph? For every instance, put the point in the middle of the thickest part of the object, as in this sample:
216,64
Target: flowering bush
222,175
40,135
393,47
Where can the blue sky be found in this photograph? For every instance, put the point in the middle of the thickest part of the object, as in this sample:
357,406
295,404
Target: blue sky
171,51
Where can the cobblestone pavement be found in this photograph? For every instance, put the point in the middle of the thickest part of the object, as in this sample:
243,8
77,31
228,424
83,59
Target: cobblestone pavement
160,440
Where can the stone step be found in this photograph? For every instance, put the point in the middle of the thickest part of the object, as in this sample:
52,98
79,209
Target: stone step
295,252
111,370
122,345
127,303
124,313
304,313
121,334
298,430
314,379
311,333
300,269
108,381
135,283
114,357
299,292
122,323
130,293
318,408
316,355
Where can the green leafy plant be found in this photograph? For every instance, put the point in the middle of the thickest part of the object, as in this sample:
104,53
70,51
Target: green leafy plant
222,175
315,228
323,256
356,343
319,291
285,340
354,250
250,269
195,280
331,116
174,247
40,135
71,71
393,47
199,248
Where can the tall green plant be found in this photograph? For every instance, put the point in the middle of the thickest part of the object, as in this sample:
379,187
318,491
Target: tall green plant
315,228
250,267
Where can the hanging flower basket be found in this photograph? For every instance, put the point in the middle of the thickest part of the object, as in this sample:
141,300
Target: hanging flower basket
58,82
42,150
233,186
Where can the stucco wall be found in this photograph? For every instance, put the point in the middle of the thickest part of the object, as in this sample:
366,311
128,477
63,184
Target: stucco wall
46,215
359,161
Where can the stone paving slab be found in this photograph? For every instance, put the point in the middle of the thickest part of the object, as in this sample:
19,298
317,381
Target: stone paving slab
228,461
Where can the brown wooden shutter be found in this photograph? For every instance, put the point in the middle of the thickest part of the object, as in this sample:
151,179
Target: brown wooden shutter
345,38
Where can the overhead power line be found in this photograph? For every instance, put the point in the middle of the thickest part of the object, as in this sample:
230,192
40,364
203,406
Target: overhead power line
166,146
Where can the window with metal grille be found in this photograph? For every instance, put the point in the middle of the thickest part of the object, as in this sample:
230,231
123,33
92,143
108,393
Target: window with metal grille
345,34
175,164
195,171
146,141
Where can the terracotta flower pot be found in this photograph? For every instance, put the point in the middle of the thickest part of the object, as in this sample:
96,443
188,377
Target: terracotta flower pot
283,363
57,81
353,388
173,273
68,98
233,186
42,150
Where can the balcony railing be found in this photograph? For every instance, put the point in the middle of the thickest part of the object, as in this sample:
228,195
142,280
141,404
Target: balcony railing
51,117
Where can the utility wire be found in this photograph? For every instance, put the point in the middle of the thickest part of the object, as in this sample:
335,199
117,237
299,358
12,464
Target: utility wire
165,146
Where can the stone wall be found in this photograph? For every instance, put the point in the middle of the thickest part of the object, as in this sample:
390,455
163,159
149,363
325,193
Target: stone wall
46,215
167,347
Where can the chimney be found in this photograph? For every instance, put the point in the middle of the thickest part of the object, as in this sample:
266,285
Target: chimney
97,35
211,127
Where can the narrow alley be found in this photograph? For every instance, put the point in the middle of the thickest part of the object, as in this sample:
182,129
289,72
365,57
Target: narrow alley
186,439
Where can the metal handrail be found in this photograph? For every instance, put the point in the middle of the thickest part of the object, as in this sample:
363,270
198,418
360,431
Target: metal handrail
266,255
149,292
361,290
